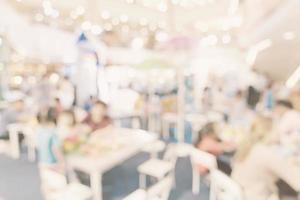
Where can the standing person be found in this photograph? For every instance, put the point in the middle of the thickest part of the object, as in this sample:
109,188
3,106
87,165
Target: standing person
269,97
49,150
258,165
287,128
66,93
98,117
207,99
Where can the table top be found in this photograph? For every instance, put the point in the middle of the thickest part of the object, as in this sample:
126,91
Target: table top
123,144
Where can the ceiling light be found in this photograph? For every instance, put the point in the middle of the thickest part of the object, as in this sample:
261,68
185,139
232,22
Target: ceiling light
293,79
289,35
96,30
137,43
124,18
162,7
86,25
105,14
226,39
161,36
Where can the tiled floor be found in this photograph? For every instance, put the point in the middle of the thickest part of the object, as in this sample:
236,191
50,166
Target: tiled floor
19,180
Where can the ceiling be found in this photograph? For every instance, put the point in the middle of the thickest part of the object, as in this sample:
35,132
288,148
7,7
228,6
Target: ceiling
274,20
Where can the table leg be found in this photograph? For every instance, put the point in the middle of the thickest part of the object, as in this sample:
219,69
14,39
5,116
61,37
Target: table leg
14,142
166,129
96,185
143,181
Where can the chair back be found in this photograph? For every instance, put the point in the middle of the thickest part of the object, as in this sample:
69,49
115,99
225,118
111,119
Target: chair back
203,158
171,154
160,190
224,188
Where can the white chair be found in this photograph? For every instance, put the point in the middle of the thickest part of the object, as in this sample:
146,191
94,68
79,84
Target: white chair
159,191
223,187
168,119
158,168
55,187
201,158
14,130
154,148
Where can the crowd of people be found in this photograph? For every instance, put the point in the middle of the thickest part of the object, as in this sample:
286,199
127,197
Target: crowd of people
268,151
266,162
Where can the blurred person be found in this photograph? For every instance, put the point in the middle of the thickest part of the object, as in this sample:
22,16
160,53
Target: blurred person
209,141
98,117
269,97
253,97
258,165
48,143
12,114
88,104
238,108
287,129
66,124
66,93
44,92
58,107
207,99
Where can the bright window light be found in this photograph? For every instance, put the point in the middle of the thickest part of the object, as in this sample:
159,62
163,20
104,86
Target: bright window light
293,79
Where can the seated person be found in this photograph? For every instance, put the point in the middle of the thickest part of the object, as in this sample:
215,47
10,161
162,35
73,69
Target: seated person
209,141
259,165
98,117
48,145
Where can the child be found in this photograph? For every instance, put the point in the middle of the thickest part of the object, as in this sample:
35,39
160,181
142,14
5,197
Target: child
49,151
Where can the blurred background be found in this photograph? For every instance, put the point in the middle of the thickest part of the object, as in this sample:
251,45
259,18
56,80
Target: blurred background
149,99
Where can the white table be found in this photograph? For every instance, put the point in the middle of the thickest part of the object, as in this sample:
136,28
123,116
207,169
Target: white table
136,118
14,131
130,141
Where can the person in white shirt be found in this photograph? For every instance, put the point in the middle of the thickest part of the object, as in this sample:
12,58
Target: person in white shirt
287,127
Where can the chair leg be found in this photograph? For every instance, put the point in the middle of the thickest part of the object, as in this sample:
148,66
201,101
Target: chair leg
142,181
196,182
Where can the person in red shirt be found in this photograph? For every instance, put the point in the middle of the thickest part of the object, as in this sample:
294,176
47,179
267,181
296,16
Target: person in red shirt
98,117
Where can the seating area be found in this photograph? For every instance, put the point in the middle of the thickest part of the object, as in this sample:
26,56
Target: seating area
149,100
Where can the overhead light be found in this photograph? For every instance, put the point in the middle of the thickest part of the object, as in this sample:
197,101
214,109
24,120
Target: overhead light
87,25
96,30
293,79
105,14
124,18
137,43
162,7
161,36
226,39
289,35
